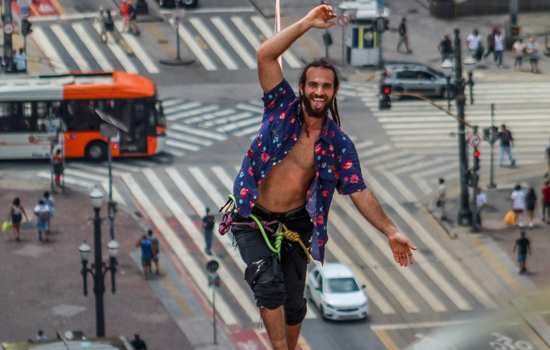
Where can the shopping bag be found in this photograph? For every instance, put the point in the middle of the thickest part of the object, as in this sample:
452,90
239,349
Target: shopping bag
510,218
7,226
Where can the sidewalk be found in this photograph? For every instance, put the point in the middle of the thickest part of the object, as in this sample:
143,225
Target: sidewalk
42,284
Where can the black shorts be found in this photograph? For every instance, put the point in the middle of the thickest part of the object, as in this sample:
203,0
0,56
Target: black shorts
16,218
275,281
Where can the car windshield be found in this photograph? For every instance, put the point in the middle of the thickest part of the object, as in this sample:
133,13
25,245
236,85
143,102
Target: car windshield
342,285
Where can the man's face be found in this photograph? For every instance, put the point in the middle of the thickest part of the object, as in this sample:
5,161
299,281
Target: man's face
318,91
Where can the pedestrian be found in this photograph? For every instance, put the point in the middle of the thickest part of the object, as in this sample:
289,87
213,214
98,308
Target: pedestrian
548,160
499,48
446,48
441,199
138,343
58,167
519,52
491,44
474,45
108,26
481,202
530,204
208,223
146,248
532,50
20,61
125,14
40,336
155,249
506,142
545,190
16,214
403,36
518,203
522,247
42,212
132,14
48,199
287,180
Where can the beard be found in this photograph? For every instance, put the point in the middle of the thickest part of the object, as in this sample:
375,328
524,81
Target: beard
313,112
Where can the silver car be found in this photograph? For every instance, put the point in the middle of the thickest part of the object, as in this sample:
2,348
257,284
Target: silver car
418,79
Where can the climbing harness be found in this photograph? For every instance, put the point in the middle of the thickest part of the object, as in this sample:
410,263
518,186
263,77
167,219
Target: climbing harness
282,232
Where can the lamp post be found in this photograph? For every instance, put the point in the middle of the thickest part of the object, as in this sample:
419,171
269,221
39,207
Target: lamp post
98,268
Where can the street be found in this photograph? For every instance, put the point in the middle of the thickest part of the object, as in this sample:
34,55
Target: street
213,110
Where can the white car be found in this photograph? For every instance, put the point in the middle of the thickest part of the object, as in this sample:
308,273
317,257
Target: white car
334,290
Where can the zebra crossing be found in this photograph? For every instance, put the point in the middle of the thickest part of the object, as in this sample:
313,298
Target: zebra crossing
425,138
75,45
228,41
175,198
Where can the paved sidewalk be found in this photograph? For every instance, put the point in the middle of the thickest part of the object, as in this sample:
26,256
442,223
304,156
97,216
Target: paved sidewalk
42,285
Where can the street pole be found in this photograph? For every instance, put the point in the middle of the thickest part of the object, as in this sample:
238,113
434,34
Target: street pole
99,287
380,4
8,31
475,181
111,204
514,12
464,213
178,61
214,335
492,139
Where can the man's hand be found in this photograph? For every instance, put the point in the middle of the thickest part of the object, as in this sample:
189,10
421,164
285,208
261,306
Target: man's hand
321,17
402,249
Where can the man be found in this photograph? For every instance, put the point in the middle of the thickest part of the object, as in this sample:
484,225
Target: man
403,36
208,222
441,198
286,183
523,247
42,212
481,202
155,250
474,45
446,48
546,202
146,254
548,160
20,60
506,143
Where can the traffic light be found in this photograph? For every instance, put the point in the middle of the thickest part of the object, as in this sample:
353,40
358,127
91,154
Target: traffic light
26,27
327,38
476,155
385,97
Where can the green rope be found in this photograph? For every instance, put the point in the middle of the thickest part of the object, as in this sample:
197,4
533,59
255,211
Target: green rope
278,237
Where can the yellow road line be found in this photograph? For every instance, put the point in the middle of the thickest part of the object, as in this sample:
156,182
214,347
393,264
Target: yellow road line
386,340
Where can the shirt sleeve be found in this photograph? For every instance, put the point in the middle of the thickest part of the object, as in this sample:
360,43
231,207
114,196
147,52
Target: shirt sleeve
277,100
350,177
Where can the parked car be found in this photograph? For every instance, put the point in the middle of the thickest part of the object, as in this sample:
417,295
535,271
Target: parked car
416,78
335,292
182,3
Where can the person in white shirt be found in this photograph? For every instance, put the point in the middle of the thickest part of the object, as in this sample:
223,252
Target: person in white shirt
532,50
519,51
481,201
20,61
474,44
518,203
499,48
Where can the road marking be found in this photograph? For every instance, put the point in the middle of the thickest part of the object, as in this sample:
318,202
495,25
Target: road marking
196,140
185,257
247,131
175,152
92,47
97,168
376,267
187,191
414,159
182,145
364,144
179,107
262,25
210,10
171,102
374,151
410,275
186,114
399,186
207,35
427,164
102,180
208,187
69,180
456,270
50,53
434,324
233,118
253,108
234,42
138,50
199,132
196,49
232,127
387,158
246,31
386,339
69,46
116,50
209,116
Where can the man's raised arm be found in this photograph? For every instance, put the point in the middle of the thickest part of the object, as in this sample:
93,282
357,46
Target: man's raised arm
269,71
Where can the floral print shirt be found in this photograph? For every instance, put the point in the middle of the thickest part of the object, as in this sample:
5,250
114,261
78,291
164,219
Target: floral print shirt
336,162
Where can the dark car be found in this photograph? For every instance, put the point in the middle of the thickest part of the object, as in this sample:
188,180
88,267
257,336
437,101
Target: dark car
417,78
182,3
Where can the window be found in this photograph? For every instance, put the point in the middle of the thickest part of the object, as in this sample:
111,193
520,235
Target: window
406,74
80,115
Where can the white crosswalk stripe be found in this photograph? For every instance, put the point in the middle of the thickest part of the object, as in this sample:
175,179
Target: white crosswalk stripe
48,50
223,28
93,47
288,56
119,53
70,47
213,43
138,50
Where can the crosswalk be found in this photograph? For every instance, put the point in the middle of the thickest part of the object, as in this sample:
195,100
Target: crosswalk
174,199
75,45
228,41
425,138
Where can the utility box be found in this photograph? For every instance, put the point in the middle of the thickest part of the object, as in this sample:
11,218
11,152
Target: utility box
363,31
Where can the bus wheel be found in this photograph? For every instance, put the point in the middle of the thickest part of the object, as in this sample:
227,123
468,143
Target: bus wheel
96,150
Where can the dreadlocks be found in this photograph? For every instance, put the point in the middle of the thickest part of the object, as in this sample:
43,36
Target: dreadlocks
322,63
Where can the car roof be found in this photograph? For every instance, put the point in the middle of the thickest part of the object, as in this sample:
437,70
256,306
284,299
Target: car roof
336,270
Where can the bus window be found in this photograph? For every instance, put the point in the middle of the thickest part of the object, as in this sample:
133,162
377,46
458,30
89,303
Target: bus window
161,119
80,116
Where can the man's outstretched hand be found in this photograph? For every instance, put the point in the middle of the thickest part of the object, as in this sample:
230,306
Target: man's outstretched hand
402,249
321,16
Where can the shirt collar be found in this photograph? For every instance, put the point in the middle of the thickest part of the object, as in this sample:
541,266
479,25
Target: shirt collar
328,125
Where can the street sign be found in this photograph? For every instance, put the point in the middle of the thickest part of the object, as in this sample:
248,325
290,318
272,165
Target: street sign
8,28
475,141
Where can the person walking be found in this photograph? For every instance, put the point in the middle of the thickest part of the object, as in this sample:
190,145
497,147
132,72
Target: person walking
208,223
155,250
287,180
20,61
474,45
530,204
58,166
108,26
491,44
499,48
481,203
523,248
403,36
132,14
48,200
545,190
548,160
42,212
441,199
17,211
518,203
506,142
125,14
519,52
446,48
146,248
532,50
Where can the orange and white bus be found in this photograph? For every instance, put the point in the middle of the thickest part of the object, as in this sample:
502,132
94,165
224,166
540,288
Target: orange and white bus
37,112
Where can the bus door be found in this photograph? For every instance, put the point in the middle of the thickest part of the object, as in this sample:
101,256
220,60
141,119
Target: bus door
133,114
